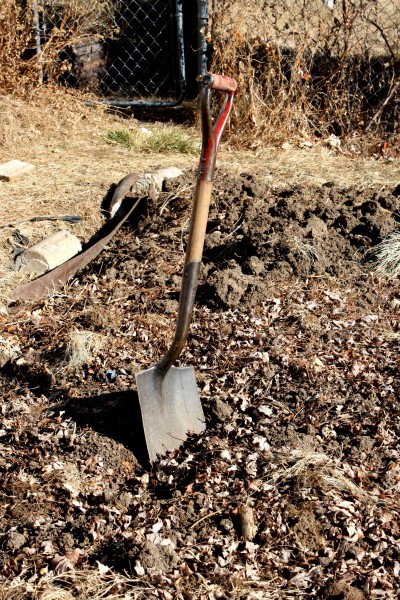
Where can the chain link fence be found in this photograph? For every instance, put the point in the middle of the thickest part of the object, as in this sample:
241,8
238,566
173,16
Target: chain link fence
313,64
323,63
127,52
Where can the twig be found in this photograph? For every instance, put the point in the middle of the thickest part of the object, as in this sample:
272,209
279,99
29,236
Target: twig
67,218
216,512
379,28
382,106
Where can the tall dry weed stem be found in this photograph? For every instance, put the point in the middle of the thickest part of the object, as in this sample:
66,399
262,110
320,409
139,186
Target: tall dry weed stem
16,29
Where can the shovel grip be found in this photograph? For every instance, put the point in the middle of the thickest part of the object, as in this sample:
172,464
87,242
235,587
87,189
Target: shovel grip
222,83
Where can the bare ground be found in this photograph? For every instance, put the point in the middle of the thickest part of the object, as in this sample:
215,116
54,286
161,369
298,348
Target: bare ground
292,491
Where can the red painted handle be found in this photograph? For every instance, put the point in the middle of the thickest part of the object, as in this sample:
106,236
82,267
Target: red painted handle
223,83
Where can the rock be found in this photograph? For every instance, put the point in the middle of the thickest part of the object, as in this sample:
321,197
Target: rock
14,168
221,411
49,253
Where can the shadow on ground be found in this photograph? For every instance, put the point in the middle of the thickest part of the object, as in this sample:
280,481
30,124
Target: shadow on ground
115,415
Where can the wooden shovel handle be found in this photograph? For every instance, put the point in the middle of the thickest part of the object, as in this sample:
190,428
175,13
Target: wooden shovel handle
201,203
194,252
198,221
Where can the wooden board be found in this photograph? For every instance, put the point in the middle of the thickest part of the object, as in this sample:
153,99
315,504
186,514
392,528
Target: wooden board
14,168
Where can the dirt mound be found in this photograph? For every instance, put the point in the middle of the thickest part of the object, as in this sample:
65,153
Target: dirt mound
259,238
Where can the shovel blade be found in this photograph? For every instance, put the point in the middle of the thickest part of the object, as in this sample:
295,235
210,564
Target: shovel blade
170,408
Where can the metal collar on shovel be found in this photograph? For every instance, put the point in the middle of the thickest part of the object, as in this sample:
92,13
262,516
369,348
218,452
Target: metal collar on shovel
168,396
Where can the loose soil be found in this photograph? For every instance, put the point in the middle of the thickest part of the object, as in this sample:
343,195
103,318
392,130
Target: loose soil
295,347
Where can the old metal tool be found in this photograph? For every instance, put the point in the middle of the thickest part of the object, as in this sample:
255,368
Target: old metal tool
168,396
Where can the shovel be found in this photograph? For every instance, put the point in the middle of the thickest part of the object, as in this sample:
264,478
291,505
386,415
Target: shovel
168,396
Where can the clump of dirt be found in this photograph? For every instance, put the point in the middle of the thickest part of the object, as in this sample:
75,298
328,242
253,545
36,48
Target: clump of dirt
295,348
341,590
306,528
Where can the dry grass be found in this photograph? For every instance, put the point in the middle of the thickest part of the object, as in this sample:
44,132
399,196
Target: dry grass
386,255
315,470
316,165
79,584
23,69
16,28
82,346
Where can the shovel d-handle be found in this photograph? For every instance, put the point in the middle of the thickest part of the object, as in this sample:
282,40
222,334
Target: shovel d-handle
211,136
221,82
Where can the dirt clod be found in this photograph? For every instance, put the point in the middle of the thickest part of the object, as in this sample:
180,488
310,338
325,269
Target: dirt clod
220,410
158,559
343,591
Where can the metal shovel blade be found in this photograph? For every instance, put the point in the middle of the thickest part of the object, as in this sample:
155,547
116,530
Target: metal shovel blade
170,407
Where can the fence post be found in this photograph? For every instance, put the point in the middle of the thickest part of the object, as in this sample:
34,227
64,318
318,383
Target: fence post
202,22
